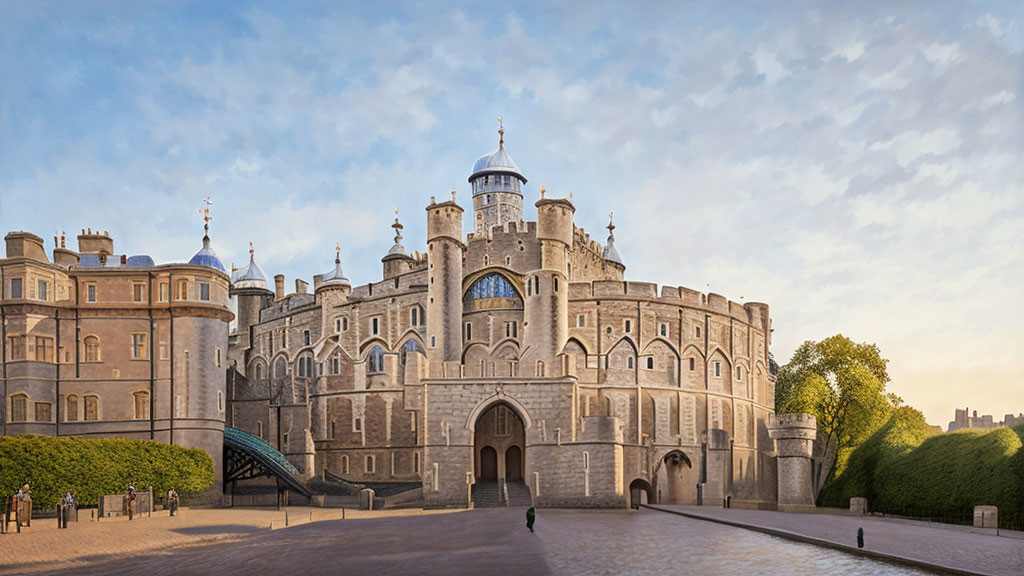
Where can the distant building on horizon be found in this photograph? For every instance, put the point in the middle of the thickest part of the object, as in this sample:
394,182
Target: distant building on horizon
963,419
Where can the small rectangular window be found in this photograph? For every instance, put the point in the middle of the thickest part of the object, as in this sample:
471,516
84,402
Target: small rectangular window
718,369
163,291
697,331
44,411
650,363
285,441
415,462
344,465
204,292
628,326
581,320
44,349
371,464
375,326
357,425
259,428
16,289
90,292
138,346
216,356
42,293
663,330
181,292
138,292
469,331
739,372
692,365
629,362
305,337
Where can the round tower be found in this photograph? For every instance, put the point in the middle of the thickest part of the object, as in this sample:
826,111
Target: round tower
546,308
497,189
444,289
331,289
794,436
249,288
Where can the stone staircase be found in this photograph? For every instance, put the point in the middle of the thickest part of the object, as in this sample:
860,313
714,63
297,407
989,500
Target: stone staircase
519,495
486,495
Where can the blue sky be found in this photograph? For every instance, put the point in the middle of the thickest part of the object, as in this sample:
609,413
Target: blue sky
858,167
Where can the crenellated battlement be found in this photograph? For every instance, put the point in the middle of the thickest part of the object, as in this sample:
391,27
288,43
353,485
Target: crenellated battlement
753,313
799,420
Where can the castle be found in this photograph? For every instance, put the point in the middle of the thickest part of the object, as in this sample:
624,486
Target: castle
514,364
516,356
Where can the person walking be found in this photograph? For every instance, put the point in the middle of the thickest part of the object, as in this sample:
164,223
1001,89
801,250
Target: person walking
531,515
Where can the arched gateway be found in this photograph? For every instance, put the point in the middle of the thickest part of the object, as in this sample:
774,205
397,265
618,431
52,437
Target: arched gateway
499,439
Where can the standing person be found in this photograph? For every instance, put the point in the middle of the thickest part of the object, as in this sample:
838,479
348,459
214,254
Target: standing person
68,502
531,515
25,506
172,501
130,501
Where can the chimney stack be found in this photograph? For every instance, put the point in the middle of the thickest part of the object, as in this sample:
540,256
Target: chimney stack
300,286
279,287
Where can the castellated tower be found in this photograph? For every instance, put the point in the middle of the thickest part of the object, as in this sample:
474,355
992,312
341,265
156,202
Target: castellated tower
794,436
444,289
331,290
546,309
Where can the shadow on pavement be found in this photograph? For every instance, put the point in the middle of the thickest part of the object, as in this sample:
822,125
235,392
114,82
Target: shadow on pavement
222,529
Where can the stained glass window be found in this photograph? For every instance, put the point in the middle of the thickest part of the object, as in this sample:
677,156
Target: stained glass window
493,285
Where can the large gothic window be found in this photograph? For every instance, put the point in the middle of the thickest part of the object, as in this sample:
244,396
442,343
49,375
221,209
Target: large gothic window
411,346
375,359
493,285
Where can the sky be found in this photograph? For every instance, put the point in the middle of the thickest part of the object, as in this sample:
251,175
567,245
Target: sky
857,165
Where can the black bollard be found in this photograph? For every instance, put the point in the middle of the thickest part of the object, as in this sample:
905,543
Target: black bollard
860,537
60,516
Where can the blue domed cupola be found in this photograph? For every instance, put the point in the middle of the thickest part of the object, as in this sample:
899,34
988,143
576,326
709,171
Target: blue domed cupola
206,256
497,188
251,276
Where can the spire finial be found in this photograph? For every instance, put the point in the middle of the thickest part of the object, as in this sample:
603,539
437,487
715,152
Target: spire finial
398,228
250,250
542,191
611,225
206,215
453,194
501,133
337,253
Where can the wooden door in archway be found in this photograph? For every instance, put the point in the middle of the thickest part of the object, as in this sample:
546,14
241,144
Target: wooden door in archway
488,464
513,464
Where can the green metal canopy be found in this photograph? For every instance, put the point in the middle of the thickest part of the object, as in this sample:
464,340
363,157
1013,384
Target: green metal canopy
247,456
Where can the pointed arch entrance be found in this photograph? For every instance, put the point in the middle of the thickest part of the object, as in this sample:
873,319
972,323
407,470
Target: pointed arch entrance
499,433
680,479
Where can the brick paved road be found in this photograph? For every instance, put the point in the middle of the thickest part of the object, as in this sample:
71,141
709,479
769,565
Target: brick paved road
950,546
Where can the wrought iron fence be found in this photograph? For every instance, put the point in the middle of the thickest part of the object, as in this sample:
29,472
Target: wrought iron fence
1008,519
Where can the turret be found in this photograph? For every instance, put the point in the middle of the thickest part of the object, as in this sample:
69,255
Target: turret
331,290
249,288
497,189
445,250
546,308
794,436
396,262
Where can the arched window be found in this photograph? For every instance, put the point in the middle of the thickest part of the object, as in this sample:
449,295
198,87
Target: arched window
411,346
375,359
305,365
493,285
92,407
71,408
141,405
259,371
280,368
19,408
92,349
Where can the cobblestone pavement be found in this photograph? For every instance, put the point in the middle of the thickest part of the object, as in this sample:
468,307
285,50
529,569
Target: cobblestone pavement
43,547
490,542
950,546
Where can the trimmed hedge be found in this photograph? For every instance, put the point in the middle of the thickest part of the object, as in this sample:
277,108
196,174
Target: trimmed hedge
906,465
91,468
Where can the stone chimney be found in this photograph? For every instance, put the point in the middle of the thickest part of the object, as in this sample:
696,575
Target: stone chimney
300,286
279,286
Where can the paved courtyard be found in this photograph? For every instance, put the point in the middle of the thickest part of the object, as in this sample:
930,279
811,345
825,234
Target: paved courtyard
491,541
950,546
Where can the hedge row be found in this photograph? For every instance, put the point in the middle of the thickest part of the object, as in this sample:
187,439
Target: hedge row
906,465
91,468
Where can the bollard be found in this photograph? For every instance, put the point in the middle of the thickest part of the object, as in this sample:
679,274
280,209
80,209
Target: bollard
342,513
286,518
310,516
860,537
60,516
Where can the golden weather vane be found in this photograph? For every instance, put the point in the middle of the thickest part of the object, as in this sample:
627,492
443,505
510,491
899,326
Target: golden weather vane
250,248
206,213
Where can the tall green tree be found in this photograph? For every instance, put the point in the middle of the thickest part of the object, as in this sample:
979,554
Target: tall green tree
842,383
